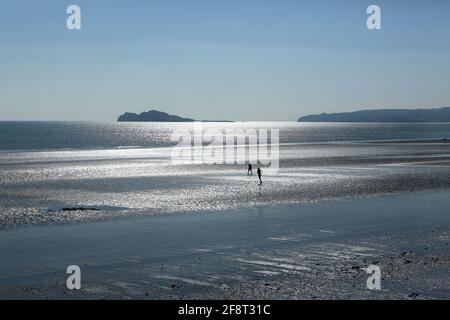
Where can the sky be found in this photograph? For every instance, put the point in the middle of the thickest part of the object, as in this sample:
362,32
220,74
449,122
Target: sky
244,60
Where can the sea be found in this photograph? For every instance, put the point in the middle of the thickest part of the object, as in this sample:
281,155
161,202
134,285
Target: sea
92,135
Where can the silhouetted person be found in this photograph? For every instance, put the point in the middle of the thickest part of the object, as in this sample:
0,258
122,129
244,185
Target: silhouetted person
249,171
259,172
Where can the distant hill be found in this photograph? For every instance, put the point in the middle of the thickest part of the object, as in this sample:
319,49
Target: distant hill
158,116
151,116
383,115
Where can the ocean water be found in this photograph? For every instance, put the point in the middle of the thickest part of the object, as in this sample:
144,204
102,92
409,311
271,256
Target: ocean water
125,169
90,135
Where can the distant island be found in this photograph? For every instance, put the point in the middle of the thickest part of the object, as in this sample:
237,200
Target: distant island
151,116
158,116
383,115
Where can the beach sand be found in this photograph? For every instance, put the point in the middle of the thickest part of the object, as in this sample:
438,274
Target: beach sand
142,227
298,251
46,187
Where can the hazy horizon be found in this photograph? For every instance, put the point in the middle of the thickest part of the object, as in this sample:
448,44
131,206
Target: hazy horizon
236,60
213,119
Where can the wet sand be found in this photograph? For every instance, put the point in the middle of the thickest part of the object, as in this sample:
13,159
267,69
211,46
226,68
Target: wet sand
46,187
293,251
142,227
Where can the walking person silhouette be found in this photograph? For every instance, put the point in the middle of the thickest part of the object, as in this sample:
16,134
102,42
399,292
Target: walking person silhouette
259,172
249,171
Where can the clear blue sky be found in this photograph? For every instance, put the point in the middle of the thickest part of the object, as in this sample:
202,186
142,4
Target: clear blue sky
220,59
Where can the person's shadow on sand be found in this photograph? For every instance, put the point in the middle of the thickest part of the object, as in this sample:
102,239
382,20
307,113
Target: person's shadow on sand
260,189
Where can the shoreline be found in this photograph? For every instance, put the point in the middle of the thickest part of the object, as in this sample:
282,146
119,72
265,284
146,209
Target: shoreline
170,147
